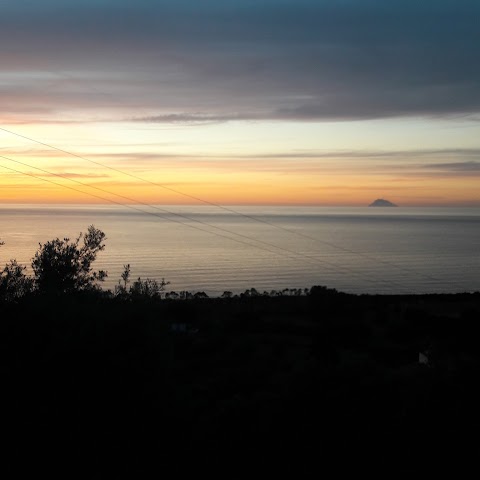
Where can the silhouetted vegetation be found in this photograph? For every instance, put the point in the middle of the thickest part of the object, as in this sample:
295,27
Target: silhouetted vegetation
65,266
14,284
280,382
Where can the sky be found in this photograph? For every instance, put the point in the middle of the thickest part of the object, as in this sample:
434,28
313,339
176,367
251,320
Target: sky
265,102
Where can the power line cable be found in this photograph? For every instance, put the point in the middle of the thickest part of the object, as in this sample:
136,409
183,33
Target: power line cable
227,209
268,244
231,210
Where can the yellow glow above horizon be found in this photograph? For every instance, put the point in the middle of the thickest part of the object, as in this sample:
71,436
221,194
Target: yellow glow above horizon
284,163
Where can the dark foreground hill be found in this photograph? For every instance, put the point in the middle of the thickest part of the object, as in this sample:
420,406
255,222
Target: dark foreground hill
288,384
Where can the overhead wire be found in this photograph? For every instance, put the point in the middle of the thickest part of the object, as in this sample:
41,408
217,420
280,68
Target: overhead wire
165,211
225,208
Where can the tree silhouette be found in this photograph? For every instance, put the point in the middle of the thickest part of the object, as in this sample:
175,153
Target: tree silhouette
121,290
14,284
125,275
64,266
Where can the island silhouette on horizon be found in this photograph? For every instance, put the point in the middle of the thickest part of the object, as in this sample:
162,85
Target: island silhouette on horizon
381,202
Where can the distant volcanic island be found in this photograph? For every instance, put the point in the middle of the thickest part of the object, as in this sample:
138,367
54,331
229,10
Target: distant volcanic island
380,202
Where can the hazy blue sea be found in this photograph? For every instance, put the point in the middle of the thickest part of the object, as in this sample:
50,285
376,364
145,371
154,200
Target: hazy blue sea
199,248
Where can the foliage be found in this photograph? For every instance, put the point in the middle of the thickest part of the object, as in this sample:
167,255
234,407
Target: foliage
251,292
64,266
200,295
14,284
322,291
185,295
148,288
126,275
140,289
121,290
172,295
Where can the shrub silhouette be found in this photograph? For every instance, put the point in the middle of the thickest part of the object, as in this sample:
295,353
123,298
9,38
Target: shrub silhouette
140,289
147,289
14,284
121,288
64,266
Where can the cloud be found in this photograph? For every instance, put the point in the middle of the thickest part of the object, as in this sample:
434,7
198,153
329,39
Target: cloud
308,154
192,118
362,154
407,163
467,168
281,60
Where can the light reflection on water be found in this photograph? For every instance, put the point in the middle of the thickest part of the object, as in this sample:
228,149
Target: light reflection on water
359,250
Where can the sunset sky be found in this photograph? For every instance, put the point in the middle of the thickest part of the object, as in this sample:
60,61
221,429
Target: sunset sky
288,102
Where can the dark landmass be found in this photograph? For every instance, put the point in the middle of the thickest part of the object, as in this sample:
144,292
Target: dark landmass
380,202
285,384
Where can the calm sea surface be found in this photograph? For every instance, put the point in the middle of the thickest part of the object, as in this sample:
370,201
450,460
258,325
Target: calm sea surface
358,250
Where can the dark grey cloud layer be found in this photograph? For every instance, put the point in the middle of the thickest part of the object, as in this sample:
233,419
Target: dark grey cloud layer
472,167
219,60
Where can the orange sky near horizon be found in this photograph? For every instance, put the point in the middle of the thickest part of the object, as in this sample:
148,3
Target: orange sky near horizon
246,189
325,164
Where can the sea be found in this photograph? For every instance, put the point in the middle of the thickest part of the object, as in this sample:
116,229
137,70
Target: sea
371,250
